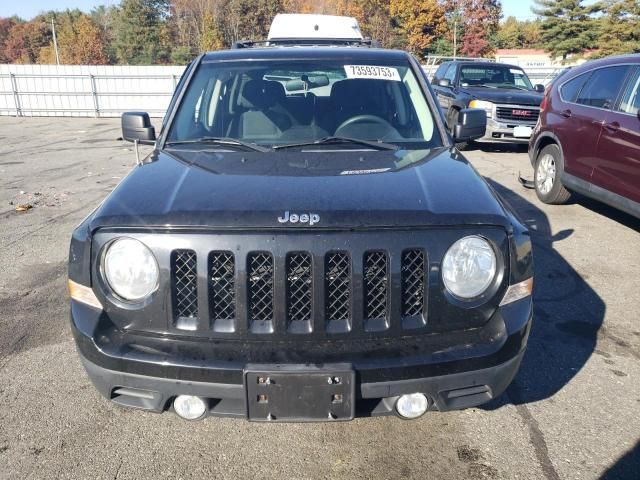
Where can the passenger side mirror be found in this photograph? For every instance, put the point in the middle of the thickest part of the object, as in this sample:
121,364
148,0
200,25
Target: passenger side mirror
136,126
472,123
445,82
538,87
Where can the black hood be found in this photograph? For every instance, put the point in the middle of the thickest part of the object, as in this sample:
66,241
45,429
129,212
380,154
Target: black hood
512,96
347,189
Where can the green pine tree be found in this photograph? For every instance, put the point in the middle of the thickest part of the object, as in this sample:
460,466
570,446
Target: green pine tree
568,26
619,28
138,31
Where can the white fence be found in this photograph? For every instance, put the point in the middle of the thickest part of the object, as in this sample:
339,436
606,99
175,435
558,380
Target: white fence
85,91
107,90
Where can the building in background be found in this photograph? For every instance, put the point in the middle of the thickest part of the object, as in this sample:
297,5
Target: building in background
532,58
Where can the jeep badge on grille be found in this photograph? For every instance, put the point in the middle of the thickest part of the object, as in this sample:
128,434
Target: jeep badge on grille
310,218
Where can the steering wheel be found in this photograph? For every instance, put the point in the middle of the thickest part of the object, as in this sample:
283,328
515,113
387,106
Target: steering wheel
386,127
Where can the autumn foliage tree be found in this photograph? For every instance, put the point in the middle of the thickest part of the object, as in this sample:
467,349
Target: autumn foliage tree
80,41
175,31
26,39
514,33
419,21
6,24
481,21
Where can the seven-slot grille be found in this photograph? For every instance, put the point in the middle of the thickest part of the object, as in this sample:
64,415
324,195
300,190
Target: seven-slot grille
517,114
335,303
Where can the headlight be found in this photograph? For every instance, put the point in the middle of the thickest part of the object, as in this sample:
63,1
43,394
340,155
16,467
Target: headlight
486,106
469,267
130,269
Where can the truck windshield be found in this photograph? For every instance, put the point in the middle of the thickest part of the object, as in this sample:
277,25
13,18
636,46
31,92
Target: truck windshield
496,76
274,103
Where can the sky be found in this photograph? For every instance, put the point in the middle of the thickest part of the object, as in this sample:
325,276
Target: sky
27,9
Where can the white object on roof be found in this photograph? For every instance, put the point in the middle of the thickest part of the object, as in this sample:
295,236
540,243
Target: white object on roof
308,26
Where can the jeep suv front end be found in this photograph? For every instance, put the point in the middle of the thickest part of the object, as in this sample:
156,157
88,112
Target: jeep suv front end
303,244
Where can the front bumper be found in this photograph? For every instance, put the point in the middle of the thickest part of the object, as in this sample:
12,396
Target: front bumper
454,370
498,131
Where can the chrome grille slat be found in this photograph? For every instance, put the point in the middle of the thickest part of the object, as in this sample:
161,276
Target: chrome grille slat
413,284
185,288
376,278
505,113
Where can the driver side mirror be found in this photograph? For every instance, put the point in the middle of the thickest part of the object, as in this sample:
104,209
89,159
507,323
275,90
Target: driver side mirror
136,126
445,82
538,87
472,124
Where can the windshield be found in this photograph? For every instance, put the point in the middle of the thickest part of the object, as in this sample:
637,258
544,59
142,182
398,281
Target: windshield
496,76
275,103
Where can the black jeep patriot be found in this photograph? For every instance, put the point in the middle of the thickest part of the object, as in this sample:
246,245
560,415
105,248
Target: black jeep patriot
303,243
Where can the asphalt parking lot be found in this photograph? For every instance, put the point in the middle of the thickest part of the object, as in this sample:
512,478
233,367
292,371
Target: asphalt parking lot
572,412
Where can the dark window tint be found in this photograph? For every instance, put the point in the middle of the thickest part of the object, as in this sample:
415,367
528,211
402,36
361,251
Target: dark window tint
603,86
440,72
451,73
571,89
630,102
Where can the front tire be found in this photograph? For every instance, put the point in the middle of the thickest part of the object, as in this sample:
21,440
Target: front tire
547,175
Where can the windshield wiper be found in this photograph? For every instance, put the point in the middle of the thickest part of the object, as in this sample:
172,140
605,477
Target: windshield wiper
517,87
340,140
223,141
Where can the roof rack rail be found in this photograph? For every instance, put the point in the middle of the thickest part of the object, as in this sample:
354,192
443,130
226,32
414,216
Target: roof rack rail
307,42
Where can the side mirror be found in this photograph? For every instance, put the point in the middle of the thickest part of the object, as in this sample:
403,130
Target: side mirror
137,126
445,82
538,87
472,123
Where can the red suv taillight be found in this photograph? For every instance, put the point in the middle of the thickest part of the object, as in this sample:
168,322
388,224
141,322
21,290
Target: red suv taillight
543,105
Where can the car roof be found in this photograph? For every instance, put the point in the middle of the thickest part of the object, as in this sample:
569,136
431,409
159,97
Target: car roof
603,62
485,64
308,53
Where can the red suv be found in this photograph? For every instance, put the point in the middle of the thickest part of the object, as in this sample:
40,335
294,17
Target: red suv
587,139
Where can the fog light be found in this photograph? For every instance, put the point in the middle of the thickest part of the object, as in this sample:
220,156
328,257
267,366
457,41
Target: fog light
189,407
412,405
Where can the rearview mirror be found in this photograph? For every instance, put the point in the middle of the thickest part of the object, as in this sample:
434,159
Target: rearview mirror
445,82
472,123
311,81
137,126
538,87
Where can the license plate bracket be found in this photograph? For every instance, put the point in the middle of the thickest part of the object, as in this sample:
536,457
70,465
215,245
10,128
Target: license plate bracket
300,393
522,132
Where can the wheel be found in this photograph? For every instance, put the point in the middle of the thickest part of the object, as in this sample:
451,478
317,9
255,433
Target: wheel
548,171
453,119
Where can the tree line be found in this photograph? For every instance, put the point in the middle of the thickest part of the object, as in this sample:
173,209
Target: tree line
145,32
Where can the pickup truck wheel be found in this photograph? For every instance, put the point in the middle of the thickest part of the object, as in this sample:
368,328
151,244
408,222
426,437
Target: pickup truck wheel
547,174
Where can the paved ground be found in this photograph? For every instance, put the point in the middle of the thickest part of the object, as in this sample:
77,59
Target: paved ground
571,413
